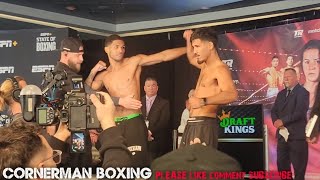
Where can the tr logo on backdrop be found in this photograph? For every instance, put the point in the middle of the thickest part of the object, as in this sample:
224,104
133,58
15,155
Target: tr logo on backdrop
228,62
298,33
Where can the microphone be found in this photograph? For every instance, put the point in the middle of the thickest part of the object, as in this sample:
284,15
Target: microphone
30,99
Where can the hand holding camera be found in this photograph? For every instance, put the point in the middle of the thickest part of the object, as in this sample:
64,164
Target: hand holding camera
105,111
63,133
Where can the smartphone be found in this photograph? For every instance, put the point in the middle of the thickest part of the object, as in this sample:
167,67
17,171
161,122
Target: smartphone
78,142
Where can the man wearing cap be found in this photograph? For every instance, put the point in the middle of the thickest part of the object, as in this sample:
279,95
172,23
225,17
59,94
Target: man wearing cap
122,78
70,62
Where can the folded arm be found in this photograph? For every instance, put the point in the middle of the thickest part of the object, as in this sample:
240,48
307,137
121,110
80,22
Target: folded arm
228,92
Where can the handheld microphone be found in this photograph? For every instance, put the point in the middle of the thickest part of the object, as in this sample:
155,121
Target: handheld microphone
30,99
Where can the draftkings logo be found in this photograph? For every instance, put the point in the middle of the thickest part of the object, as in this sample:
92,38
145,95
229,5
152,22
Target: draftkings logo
6,69
41,68
298,33
243,125
8,43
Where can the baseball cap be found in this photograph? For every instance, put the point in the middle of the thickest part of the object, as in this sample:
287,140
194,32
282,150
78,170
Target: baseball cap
71,44
196,157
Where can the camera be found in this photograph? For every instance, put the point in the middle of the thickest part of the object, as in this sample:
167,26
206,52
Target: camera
79,112
54,104
45,116
73,107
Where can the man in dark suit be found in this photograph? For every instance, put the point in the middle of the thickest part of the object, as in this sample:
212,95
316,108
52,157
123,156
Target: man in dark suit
156,112
289,114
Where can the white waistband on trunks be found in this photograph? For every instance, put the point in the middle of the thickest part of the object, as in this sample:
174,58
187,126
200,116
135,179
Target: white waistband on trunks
194,120
200,119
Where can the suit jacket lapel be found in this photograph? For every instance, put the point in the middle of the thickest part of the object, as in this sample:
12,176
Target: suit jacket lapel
292,94
154,104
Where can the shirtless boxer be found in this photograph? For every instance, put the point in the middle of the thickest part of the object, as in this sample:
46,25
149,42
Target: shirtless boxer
122,78
272,77
214,87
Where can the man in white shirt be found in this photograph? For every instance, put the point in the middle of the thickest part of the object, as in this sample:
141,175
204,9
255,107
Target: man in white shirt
184,117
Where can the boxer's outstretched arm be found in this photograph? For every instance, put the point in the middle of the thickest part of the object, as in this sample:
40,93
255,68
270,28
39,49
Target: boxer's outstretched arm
166,55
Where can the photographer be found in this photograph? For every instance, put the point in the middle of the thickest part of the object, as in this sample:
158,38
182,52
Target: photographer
9,96
21,144
70,63
118,155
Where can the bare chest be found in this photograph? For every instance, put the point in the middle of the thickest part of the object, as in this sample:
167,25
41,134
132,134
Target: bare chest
122,81
207,83
206,79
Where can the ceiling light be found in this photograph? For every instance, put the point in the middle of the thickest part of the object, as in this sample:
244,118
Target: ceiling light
204,7
71,7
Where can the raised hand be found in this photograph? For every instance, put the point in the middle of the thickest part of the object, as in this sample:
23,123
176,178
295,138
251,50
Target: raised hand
100,66
187,34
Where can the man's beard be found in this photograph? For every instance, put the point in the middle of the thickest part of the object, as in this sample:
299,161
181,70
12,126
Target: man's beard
74,67
200,61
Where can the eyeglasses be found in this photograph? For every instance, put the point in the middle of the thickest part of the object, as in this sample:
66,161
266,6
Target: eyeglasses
56,157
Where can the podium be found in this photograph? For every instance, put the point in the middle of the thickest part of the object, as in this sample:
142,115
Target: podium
242,135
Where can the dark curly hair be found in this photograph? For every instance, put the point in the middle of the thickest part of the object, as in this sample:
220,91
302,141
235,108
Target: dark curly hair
19,142
207,34
112,38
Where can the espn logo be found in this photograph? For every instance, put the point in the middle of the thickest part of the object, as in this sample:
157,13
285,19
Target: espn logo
298,33
7,43
41,68
6,69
